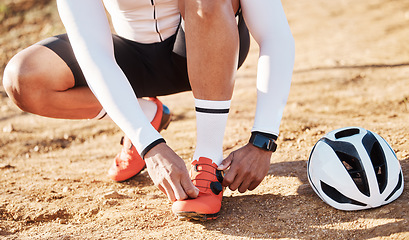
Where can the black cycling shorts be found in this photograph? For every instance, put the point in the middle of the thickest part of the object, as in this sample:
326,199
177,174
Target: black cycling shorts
155,69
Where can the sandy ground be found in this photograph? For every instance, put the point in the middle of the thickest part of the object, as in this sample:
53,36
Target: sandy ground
352,68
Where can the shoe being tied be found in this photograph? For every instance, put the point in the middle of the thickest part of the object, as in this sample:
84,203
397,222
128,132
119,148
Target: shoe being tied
207,205
128,162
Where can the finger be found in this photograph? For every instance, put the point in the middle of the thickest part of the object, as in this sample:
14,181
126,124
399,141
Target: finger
168,190
189,188
229,177
244,185
238,180
226,162
162,190
178,191
253,185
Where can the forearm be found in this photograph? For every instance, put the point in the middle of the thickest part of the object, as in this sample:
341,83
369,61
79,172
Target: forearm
269,27
89,33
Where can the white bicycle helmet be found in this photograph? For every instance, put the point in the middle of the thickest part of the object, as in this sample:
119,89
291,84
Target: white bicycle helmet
352,169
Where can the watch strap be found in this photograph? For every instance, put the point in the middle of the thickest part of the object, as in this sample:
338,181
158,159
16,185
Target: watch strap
264,141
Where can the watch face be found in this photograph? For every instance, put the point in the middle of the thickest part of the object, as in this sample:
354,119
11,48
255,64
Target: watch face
264,143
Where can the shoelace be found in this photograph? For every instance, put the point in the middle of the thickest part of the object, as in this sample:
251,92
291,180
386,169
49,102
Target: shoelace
215,186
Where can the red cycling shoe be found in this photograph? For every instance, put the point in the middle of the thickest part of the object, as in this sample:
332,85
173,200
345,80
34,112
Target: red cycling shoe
128,162
206,206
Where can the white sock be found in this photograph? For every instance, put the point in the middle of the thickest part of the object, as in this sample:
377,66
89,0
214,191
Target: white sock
211,119
149,108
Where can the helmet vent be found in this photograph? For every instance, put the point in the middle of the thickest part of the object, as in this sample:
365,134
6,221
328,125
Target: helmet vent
338,197
377,156
398,186
355,170
346,133
379,165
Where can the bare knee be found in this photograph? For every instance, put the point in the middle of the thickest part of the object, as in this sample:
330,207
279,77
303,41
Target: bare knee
13,81
211,8
208,9
21,80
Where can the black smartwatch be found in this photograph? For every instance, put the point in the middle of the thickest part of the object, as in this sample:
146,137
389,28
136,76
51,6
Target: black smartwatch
264,141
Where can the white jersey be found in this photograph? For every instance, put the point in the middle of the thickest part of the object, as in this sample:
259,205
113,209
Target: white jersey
144,21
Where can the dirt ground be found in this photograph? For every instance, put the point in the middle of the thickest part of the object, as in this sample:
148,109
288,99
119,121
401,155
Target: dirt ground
351,69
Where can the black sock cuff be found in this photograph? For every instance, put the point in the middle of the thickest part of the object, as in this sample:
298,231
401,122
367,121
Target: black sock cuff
213,111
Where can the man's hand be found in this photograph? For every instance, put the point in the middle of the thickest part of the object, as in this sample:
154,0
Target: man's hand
169,173
248,167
